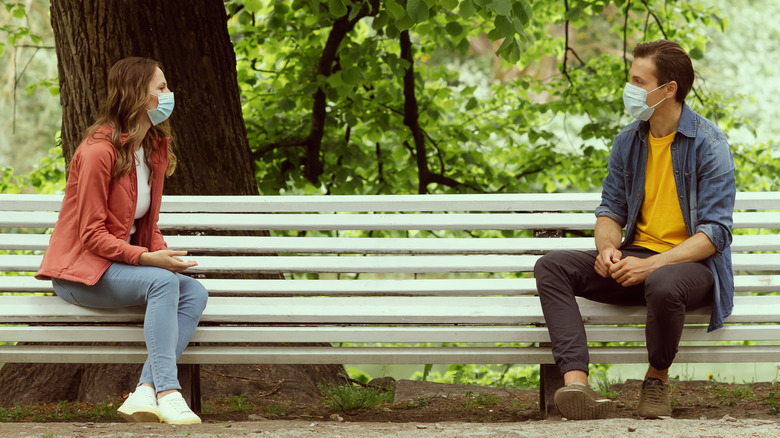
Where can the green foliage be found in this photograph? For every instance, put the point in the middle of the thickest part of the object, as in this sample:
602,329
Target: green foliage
47,177
276,409
348,398
729,396
238,403
507,376
481,400
517,123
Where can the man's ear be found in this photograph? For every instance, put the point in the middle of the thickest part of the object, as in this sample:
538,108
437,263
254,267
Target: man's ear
671,89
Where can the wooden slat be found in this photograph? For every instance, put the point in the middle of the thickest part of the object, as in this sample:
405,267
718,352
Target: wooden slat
358,203
377,355
381,334
376,264
378,287
378,245
439,286
518,310
329,221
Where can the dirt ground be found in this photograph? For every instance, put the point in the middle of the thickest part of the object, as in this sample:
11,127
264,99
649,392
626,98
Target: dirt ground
700,409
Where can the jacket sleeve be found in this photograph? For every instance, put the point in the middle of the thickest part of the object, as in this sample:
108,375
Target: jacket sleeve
95,165
613,192
715,193
158,242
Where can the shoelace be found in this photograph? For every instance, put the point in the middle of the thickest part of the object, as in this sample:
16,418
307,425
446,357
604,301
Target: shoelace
147,398
653,394
180,405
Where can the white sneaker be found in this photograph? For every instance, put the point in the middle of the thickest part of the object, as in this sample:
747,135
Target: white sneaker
141,406
175,410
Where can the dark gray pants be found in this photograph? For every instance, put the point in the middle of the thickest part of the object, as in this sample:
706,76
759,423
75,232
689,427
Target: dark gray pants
668,293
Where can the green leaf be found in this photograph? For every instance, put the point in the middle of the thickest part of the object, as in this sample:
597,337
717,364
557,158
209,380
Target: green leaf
449,4
523,11
504,26
467,9
500,7
396,11
19,11
454,28
253,5
417,10
403,23
352,76
337,8
2,49
696,53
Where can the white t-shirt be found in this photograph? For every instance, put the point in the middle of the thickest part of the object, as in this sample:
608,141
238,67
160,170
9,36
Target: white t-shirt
144,189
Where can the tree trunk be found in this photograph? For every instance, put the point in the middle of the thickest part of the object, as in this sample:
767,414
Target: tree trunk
194,47
192,43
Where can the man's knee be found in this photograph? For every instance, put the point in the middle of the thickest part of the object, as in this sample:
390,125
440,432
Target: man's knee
549,262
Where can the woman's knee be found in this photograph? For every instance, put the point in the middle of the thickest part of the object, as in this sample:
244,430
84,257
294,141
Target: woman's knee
192,290
163,282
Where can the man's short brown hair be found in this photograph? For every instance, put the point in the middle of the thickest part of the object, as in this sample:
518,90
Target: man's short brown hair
672,63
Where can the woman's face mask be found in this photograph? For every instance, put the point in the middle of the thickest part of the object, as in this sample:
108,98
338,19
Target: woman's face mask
635,100
163,110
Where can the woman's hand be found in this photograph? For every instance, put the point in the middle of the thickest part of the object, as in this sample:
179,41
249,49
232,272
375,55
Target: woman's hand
166,259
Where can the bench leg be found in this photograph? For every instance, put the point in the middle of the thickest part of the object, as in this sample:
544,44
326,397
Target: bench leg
189,378
550,379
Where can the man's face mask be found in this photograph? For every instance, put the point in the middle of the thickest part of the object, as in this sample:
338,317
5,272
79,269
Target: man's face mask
635,100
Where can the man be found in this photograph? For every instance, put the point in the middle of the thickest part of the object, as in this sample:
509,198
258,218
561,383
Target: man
671,185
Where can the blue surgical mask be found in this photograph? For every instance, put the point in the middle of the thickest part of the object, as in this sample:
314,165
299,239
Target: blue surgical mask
635,100
163,110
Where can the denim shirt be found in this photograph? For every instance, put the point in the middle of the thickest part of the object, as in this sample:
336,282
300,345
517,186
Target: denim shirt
704,176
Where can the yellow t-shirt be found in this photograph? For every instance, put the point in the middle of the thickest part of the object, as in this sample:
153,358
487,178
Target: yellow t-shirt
660,225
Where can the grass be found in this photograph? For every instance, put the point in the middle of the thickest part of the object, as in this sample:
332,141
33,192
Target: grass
348,398
275,409
420,402
601,384
729,396
60,411
238,403
480,401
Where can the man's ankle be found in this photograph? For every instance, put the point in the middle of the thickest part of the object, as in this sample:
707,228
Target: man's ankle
662,375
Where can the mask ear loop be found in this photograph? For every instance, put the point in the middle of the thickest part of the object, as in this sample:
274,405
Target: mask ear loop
659,102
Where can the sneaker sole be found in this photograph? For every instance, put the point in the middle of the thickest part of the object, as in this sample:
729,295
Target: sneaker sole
576,405
140,415
185,421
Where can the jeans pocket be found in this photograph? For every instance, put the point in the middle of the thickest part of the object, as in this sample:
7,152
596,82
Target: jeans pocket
62,291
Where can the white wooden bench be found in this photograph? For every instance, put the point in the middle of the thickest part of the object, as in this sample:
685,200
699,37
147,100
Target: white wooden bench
452,269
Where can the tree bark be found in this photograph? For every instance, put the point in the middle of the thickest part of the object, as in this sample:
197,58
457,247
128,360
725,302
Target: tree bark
193,45
191,41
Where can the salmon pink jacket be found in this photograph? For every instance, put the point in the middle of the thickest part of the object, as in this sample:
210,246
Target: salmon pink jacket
98,211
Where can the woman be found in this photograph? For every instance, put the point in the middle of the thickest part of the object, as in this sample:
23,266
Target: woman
106,250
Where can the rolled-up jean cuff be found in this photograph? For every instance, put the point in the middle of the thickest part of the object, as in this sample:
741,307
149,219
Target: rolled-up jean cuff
581,366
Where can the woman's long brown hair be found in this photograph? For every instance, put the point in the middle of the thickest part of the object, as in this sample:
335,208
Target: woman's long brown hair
123,110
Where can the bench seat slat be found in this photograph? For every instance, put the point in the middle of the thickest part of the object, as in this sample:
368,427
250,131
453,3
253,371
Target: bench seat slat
377,355
519,310
377,245
370,334
377,264
439,286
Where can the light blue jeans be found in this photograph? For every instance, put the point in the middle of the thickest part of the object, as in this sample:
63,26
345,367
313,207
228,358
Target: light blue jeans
174,304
